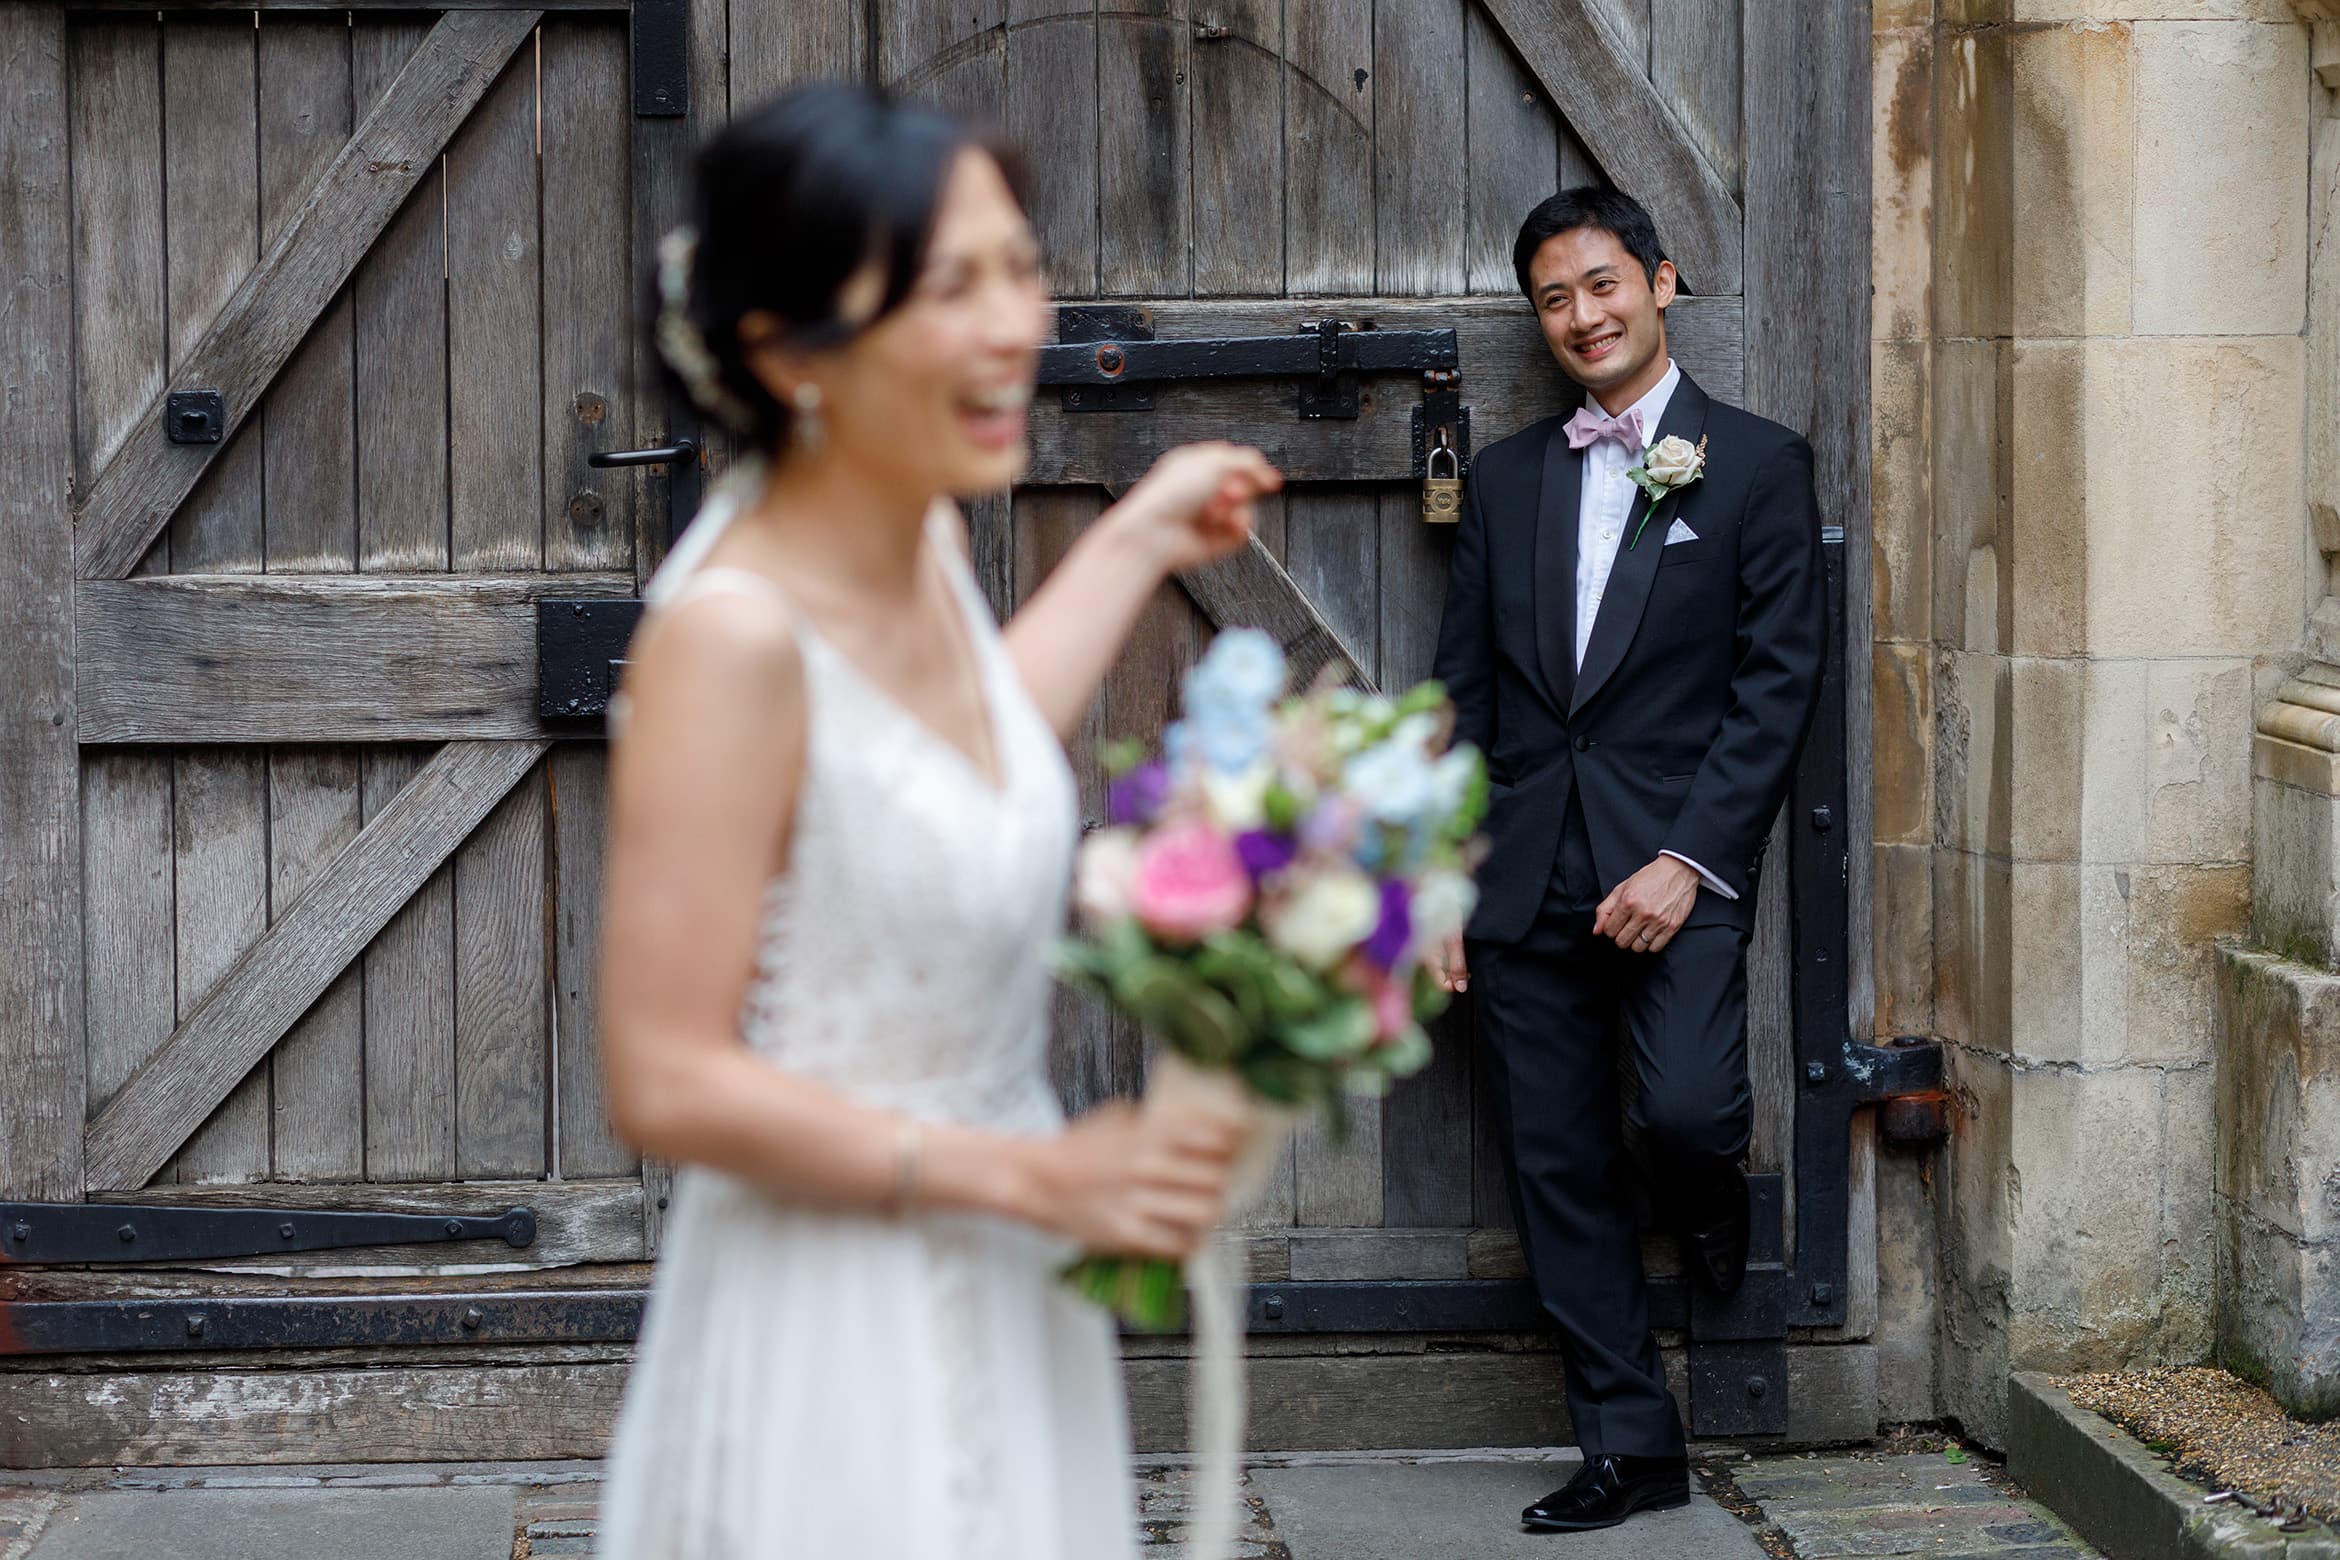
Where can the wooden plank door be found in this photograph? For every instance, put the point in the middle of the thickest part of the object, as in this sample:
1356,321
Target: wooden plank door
337,884
1241,167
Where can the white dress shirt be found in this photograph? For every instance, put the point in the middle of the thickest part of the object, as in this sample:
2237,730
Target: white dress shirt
1609,503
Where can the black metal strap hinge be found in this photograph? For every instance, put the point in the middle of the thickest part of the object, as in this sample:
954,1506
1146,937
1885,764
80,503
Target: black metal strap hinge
1109,360
661,59
580,645
127,1232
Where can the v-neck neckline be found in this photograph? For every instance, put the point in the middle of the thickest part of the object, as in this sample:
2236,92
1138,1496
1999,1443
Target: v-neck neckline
995,780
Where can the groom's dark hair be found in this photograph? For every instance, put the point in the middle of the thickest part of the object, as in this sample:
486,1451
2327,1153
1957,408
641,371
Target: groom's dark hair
1588,206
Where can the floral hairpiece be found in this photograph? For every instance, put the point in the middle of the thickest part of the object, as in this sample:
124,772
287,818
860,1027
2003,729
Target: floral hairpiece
680,340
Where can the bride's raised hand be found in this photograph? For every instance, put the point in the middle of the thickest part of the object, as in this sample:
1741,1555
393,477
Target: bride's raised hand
1126,1182
1198,503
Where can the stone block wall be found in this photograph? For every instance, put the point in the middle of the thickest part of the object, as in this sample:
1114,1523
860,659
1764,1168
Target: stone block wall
2091,556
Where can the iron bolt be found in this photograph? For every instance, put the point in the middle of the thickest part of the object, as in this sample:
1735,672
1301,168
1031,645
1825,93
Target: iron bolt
127,1233
284,1231
454,1228
23,1232
1823,1294
1822,820
472,1317
195,1325
1757,1386
1274,1308
1110,359
576,609
1072,398
1815,1073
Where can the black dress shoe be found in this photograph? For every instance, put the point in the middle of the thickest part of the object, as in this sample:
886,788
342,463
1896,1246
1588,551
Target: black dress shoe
1715,1230
1610,1488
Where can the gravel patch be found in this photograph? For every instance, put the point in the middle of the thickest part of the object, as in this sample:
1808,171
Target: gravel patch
2221,1431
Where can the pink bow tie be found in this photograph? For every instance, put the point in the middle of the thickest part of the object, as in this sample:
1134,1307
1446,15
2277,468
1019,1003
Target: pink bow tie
1589,427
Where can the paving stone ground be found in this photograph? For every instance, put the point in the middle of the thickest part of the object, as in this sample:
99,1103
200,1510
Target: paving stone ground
1854,1507
1421,1506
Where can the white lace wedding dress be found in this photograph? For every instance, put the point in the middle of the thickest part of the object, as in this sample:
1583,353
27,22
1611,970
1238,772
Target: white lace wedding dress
819,1386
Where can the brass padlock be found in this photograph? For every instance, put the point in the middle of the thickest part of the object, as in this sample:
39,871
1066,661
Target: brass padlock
1442,496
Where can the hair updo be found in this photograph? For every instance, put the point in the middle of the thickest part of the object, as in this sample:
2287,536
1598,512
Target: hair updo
789,203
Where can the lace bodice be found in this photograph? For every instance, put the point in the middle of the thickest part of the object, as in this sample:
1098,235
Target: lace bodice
903,954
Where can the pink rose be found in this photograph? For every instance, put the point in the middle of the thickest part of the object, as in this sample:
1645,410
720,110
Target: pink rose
1190,883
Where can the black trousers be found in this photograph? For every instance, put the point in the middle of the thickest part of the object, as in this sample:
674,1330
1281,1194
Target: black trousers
1548,1010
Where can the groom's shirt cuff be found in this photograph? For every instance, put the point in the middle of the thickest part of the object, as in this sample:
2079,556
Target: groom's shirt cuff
1711,881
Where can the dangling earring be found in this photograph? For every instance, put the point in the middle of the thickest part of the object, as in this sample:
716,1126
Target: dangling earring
807,428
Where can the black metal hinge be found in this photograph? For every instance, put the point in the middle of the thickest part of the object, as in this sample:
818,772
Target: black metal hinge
580,646
661,59
130,1232
1109,360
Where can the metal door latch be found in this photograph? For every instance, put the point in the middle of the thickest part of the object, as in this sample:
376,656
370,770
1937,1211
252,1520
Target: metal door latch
137,1232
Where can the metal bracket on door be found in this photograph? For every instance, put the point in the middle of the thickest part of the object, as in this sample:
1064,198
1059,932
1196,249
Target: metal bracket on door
661,59
579,647
1108,359
138,1232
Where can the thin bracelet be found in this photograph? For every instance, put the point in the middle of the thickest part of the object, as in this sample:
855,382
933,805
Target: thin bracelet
907,1143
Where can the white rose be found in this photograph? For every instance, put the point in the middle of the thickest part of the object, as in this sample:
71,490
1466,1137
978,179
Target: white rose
1331,913
1442,905
1238,802
1108,867
1674,460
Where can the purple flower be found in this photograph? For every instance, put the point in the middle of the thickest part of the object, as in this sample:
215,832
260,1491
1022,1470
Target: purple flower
1395,930
1264,852
1137,797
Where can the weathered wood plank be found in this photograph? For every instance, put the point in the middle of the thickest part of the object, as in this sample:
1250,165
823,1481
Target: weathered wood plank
1694,64
249,1008
126,916
1418,191
199,658
773,46
379,1414
1509,380
577,785
309,483
949,53
1089,1057
1512,155
211,213
588,271
409,973
40,831
118,333
309,489
502,905
1250,589
1771,1018
1321,1403
1428,1121
219,867
1380,1254
132,499
1328,133
1237,87
219,798
399,304
336,7
1607,99
495,385
1145,213
1332,550
318,1071
1808,265
1052,119
577,1222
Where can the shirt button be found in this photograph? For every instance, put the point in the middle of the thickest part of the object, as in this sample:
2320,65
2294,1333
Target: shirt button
1583,743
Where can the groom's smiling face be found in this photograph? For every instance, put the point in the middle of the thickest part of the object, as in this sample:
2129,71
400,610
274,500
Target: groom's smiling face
1603,314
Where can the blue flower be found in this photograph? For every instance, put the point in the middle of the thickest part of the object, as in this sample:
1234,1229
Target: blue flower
1243,666
1395,780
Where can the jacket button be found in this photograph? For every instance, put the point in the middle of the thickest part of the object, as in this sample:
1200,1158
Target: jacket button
1583,743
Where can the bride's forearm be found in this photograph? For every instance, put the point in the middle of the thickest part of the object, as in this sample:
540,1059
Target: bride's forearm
1073,628
731,1111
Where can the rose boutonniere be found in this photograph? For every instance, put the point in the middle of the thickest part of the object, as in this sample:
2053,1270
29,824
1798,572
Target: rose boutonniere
1673,462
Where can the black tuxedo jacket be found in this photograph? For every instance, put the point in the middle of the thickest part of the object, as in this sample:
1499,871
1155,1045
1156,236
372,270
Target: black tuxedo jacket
1681,731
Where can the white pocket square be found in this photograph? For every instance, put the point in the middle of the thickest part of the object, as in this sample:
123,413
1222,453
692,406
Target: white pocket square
1680,531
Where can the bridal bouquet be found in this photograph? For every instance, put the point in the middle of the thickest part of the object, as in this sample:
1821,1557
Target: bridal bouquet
1266,898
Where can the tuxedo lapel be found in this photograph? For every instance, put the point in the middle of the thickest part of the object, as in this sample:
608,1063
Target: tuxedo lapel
1627,592
1557,503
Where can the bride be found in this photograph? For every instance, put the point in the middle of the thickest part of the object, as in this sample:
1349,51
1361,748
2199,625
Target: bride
841,826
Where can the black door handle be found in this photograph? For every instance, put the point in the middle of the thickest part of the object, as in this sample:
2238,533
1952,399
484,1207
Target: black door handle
660,455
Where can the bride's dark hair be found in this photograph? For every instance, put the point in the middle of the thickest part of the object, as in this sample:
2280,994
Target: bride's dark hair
789,203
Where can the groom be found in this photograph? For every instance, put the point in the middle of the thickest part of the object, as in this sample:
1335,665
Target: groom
1633,637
